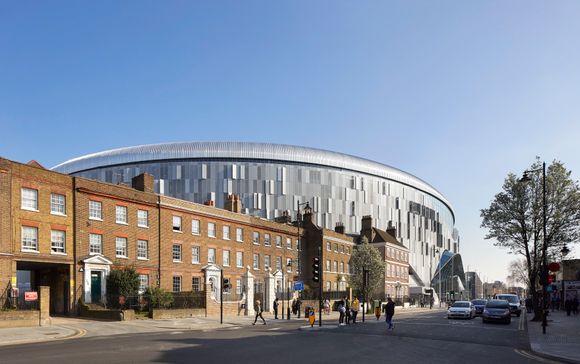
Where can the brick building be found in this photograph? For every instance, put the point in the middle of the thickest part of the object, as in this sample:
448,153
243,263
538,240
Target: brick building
396,257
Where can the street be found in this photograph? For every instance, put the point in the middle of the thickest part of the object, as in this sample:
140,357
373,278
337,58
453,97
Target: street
418,336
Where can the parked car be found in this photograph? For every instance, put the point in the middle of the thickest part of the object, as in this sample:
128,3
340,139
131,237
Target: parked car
497,310
514,302
461,309
479,305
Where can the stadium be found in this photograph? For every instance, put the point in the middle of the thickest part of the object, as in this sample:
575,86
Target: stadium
273,179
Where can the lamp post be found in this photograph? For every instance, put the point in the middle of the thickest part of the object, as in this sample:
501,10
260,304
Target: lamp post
544,270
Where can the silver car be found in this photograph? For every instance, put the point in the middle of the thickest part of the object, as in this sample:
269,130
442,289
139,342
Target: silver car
461,309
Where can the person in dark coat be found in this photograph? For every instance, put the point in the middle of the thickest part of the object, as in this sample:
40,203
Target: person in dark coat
390,312
275,307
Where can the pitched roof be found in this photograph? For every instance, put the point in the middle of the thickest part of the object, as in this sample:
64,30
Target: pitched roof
382,236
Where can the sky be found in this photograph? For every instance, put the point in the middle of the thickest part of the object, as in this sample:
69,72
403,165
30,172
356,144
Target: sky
457,93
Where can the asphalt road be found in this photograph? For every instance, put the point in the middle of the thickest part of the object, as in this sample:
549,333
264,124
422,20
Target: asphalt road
418,337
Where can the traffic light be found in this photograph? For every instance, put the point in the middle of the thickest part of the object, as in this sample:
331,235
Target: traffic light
316,269
226,284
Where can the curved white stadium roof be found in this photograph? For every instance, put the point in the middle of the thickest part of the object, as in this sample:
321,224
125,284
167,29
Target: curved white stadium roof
243,150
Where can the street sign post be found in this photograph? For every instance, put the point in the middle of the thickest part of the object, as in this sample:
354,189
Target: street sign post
299,286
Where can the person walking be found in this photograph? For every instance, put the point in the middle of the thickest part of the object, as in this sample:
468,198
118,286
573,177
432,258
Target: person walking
354,309
431,301
275,307
341,311
390,312
258,309
327,306
347,309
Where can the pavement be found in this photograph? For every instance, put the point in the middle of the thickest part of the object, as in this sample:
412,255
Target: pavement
562,338
561,341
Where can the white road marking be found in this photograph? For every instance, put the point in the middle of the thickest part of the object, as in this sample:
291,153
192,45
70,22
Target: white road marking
274,329
534,357
176,332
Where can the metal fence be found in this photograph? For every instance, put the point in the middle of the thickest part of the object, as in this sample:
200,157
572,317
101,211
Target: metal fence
9,301
168,300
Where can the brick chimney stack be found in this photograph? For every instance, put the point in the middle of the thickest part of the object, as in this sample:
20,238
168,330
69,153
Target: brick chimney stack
143,182
367,228
233,203
339,228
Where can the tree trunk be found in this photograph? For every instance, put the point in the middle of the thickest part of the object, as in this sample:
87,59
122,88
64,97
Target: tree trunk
537,304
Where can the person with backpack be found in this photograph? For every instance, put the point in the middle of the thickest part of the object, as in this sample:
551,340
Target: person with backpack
341,311
347,309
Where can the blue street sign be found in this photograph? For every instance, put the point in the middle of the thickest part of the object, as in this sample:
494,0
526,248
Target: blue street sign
299,286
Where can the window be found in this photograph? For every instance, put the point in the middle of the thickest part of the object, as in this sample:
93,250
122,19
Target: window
143,283
279,263
347,250
239,234
211,229
176,223
348,268
121,214
29,239
256,261
238,286
328,246
196,284
57,204
335,266
267,239
397,255
29,199
256,238
327,285
298,245
278,241
95,244
240,259
288,243
226,232
211,255
121,247
328,265
57,239
142,249
176,252
95,210
226,258
342,267
176,283
195,227
195,255
142,218
289,265
342,249
335,248
267,261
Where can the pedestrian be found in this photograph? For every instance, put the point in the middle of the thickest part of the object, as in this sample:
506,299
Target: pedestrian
347,309
529,304
568,306
258,309
341,311
275,307
298,306
294,306
354,309
431,301
390,312
327,306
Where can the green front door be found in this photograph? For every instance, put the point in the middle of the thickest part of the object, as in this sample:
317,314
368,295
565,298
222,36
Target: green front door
95,287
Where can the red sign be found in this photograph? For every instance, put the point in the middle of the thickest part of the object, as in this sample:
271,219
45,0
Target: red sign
554,267
30,296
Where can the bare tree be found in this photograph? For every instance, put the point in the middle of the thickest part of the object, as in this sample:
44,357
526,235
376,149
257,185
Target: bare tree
518,272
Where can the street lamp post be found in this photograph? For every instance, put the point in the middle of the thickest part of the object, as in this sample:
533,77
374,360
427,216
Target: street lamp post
544,270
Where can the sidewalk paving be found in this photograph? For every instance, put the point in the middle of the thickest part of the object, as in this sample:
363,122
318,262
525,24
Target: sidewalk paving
562,338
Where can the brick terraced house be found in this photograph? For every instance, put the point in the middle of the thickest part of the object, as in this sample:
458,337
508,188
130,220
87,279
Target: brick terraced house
68,233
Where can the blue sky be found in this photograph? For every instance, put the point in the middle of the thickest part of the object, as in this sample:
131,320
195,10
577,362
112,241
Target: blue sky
457,93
